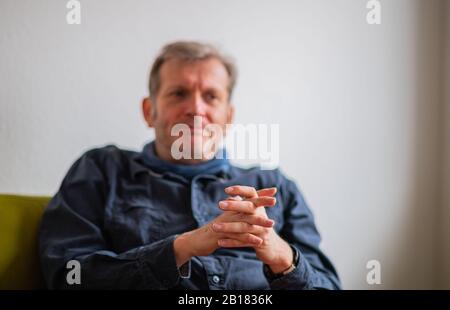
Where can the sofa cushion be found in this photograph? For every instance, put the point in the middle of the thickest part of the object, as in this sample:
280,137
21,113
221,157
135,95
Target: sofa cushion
19,223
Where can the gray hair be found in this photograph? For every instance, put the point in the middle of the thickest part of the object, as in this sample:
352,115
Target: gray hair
189,51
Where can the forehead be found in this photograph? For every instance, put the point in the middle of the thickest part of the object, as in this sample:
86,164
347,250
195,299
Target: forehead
208,73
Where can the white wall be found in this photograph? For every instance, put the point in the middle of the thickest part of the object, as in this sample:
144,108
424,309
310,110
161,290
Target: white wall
359,106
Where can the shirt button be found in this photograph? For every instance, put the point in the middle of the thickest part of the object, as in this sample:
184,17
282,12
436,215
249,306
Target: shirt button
216,279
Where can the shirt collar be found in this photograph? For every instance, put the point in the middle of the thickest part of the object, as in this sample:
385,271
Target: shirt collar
148,161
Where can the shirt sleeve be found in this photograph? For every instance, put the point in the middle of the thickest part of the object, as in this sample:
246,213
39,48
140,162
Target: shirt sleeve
314,270
72,229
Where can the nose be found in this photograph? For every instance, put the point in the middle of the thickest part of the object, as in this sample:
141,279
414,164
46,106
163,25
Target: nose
196,105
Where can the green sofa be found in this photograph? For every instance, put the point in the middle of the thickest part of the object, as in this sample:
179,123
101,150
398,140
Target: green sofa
19,223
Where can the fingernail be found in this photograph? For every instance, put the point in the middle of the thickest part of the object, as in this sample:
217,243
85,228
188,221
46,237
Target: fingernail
217,226
229,189
223,204
270,222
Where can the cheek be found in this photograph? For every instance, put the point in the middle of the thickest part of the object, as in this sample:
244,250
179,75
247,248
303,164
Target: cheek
165,120
162,127
219,116
168,123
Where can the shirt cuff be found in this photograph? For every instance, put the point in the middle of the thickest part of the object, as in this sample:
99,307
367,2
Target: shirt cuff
297,279
158,265
185,270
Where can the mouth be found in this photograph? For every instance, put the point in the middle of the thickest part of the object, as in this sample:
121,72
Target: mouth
198,130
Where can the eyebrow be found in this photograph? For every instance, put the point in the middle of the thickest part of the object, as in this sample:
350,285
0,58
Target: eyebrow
183,87
177,86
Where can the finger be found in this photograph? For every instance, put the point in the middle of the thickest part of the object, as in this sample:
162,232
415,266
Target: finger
263,201
244,238
241,190
237,198
253,219
238,227
259,220
247,206
267,192
237,206
231,243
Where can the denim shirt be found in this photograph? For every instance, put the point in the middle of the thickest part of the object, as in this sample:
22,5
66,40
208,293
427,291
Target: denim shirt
118,218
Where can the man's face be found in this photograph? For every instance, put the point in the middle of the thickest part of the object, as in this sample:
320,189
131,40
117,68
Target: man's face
188,89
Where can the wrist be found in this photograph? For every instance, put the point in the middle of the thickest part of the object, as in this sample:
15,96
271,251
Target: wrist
275,273
182,249
284,262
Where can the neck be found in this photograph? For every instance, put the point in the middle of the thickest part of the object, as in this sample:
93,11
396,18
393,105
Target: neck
166,155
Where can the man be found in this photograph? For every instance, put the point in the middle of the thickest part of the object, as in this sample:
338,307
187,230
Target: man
155,220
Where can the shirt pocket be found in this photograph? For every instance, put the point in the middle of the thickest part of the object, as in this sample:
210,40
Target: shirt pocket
135,222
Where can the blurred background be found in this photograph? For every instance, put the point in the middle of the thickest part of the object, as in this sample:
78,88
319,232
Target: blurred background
364,110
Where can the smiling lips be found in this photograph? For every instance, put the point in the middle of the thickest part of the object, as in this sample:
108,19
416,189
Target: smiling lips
198,126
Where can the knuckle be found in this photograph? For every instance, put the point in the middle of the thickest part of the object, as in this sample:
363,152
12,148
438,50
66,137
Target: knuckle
250,205
265,237
260,219
248,226
253,220
255,229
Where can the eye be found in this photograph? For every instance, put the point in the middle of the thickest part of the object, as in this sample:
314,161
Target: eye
210,97
179,93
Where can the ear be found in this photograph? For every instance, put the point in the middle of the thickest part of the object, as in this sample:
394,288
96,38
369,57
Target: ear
147,111
230,113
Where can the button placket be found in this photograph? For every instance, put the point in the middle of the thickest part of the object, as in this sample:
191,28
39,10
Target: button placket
197,208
